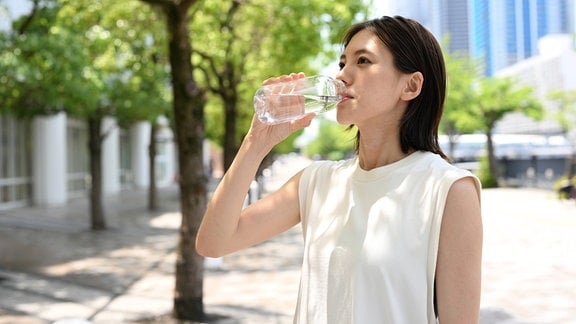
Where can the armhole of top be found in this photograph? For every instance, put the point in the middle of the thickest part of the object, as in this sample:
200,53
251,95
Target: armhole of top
435,304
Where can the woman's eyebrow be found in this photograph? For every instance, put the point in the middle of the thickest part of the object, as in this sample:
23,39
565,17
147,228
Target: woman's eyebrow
357,52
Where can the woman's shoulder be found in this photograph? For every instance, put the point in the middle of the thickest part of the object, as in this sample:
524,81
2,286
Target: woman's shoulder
434,165
434,160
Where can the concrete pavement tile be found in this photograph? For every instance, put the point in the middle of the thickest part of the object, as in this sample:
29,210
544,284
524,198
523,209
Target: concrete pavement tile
236,314
42,307
529,255
275,292
129,308
55,288
13,319
109,316
154,285
137,304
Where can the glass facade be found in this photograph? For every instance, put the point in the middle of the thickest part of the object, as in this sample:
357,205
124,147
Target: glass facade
497,32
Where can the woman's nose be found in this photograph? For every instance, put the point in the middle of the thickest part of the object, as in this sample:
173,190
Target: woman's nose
340,76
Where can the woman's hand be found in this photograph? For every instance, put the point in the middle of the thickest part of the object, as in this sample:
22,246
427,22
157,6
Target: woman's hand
270,135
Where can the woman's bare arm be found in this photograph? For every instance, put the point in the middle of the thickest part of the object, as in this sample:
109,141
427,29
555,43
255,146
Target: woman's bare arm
226,227
458,271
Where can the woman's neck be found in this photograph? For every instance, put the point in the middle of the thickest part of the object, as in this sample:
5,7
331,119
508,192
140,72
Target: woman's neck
377,151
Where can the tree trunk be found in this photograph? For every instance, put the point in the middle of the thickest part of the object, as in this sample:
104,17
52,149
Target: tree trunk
570,163
95,148
152,190
492,163
452,141
189,129
571,159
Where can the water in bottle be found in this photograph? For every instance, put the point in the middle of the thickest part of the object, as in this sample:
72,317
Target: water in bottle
282,102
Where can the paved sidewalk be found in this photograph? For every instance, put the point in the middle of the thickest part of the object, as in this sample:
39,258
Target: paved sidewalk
529,259
54,270
52,267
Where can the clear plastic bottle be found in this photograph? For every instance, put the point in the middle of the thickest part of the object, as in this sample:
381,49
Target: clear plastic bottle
282,102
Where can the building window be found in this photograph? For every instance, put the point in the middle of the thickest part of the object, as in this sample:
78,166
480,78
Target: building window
77,158
126,176
15,167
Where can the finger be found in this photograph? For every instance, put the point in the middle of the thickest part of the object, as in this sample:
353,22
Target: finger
284,78
303,122
299,75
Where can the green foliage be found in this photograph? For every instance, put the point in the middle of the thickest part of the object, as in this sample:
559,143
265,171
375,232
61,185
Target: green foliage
496,97
477,103
44,69
87,58
562,182
287,145
237,45
565,115
334,141
460,75
487,178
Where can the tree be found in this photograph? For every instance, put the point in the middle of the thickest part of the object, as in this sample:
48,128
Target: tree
39,82
565,115
78,57
492,99
476,103
115,50
188,108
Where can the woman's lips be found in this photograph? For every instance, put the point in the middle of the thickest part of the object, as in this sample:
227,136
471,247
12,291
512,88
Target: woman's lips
345,97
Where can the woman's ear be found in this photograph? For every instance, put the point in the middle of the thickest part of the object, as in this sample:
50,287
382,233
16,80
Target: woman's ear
413,86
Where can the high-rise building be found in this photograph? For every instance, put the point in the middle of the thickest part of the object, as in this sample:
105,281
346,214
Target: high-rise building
497,32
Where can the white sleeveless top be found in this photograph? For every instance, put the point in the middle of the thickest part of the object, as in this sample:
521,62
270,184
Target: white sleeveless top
371,240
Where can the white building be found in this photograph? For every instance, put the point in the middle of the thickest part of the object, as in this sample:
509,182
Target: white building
553,69
45,162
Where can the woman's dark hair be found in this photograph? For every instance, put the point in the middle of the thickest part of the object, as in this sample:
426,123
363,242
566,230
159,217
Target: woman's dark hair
413,49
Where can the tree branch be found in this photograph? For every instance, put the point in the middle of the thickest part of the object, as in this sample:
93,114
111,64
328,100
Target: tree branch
213,68
230,15
158,2
28,21
182,5
207,76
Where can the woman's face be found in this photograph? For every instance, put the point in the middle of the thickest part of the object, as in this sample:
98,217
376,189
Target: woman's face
374,85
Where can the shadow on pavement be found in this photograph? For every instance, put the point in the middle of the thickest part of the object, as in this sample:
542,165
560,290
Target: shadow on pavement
56,244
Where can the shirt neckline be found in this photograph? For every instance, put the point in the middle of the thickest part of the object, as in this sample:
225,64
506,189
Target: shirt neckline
379,172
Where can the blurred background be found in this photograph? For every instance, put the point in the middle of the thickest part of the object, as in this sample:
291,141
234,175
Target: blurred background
519,50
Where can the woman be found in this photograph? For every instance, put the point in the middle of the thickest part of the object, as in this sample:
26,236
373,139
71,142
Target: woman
393,235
